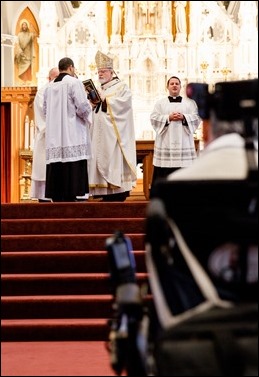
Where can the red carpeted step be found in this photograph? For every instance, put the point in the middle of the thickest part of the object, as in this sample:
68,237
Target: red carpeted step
20,262
70,306
59,284
68,226
60,261
54,329
73,210
63,242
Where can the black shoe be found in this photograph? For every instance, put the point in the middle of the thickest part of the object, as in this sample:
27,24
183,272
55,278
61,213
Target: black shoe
120,197
44,200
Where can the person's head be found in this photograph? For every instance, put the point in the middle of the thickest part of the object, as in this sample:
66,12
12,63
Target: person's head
214,128
104,66
174,86
24,24
53,73
67,65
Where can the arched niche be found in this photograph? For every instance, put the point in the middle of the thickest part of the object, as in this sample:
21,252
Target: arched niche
34,28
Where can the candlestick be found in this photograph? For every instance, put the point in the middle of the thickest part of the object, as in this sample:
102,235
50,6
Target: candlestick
26,133
204,66
225,71
31,135
26,155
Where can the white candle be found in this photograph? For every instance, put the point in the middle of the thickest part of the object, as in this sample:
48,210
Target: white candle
31,135
26,133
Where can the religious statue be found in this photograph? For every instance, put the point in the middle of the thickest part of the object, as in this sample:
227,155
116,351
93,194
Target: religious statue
116,17
148,11
180,16
24,53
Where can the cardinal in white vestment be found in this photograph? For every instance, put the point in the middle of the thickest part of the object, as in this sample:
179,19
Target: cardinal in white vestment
112,170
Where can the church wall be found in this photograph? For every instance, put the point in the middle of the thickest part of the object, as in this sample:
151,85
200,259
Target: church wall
147,51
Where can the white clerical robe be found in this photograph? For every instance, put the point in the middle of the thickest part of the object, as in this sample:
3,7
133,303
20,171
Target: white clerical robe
112,169
68,119
174,142
38,174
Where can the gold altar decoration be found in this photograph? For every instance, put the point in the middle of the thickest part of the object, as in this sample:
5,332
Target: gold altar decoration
26,155
225,71
204,66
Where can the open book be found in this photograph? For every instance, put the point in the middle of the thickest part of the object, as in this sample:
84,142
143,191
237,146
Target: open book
92,93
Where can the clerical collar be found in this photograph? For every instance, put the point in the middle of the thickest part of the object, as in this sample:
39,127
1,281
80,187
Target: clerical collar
61,76
175,99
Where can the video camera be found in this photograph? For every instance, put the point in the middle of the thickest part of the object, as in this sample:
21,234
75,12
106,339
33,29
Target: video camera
231,101
125,326
121,259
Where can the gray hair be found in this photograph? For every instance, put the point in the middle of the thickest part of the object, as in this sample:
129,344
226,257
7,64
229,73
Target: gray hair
222,127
